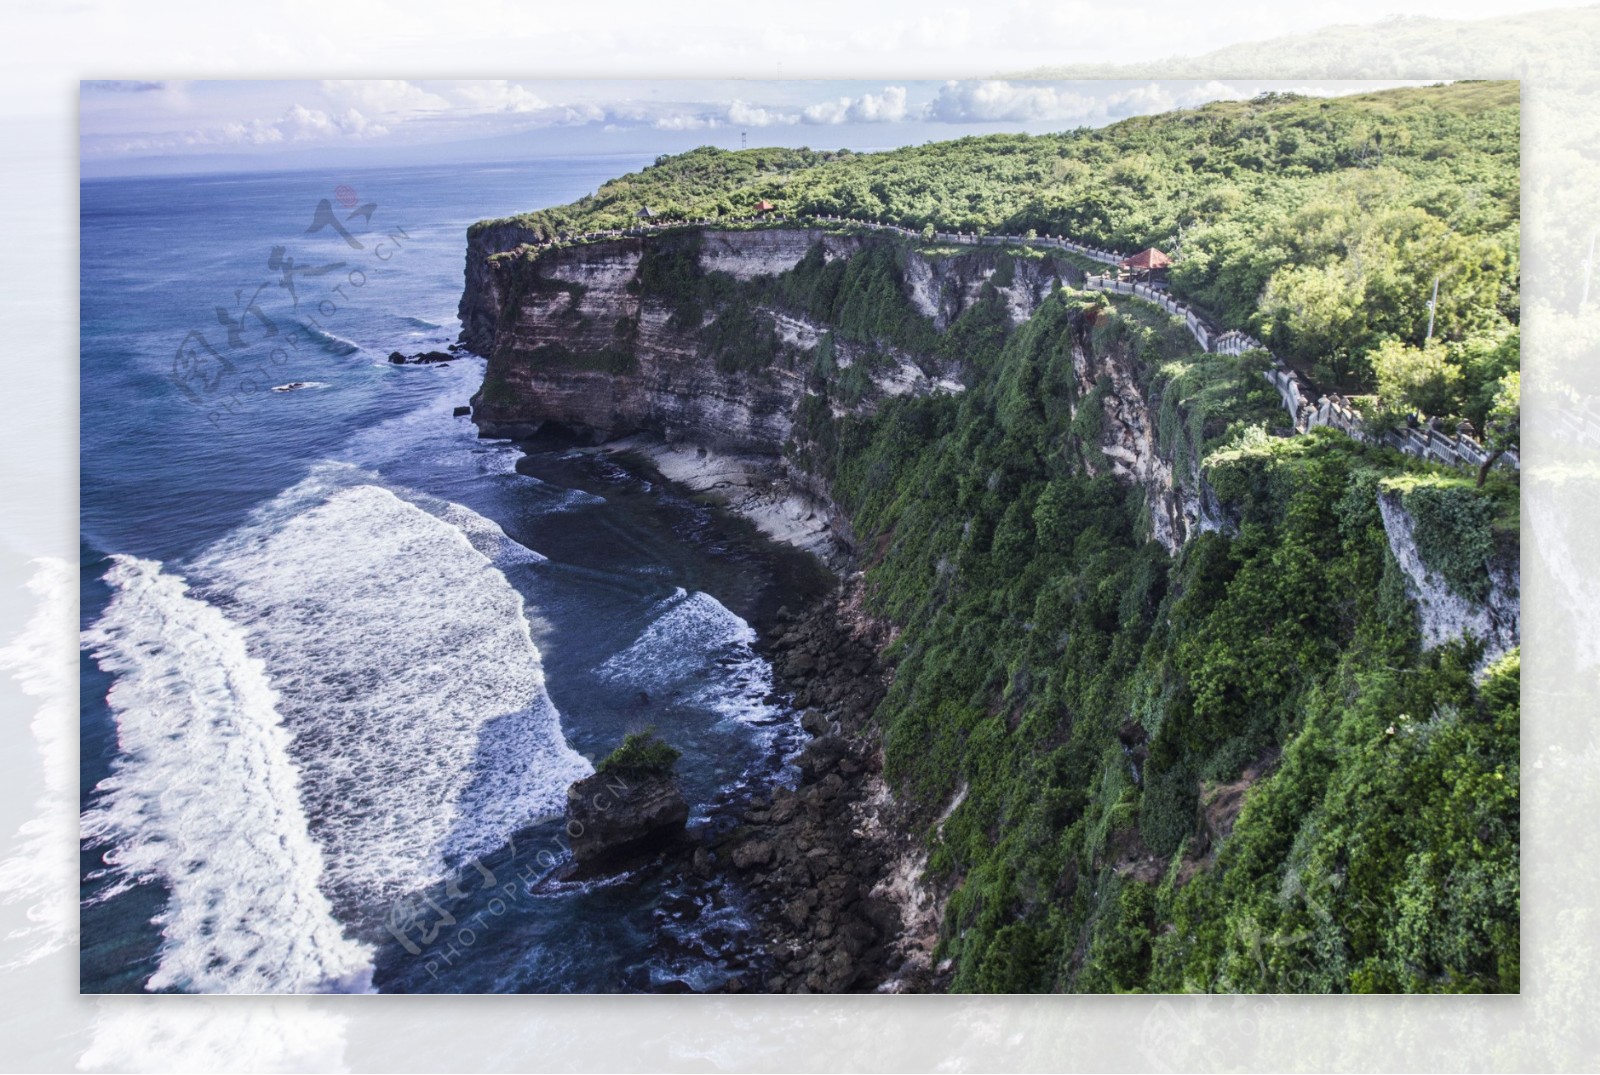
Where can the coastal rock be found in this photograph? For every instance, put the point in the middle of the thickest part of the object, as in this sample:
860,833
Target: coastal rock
463,412
611,816
421,358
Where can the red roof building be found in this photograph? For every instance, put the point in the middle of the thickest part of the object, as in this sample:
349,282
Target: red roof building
1146,261
764,206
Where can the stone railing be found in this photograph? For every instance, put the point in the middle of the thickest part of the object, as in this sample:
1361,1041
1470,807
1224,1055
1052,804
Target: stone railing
1201,329
1307,407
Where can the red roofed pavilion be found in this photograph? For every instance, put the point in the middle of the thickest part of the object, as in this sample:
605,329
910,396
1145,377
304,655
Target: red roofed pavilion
1145,264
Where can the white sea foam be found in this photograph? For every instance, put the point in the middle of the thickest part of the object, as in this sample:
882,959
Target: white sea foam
204,797
700,652
407,674
42,866
329,341
483,534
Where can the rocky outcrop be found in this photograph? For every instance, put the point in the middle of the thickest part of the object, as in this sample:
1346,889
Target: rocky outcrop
942,288
820,857
1180,505
611,816
483,298
577,337
422,358
588,340
1444,615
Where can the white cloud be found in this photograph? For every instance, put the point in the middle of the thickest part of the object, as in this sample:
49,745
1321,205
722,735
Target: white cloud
298,124
741,114
886,107
683,121
385,96
496,95
253,132
301,123
996,101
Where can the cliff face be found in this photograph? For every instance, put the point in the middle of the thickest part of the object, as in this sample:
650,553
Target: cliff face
1444,615
595,340
1180,505
580,338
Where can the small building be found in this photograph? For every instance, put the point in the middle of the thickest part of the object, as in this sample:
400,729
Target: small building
644,213
1148,265
764,206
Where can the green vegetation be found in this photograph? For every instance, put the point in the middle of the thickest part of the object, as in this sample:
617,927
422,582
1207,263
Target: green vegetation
1318,224
1102,703
642,756
1459,526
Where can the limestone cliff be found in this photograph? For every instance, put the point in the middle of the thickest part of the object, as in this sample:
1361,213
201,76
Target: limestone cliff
1181,504
584,338
1493,618
683,343
607,341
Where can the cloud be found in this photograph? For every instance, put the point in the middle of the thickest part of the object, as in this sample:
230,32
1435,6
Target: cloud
886,107
684,121
302,124
385,96
741,114
496,95
298,124
996,101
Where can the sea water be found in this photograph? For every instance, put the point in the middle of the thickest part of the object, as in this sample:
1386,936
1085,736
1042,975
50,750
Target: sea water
342,658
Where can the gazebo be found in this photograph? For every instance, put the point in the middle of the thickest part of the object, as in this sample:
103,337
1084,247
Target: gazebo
764,206
1148,265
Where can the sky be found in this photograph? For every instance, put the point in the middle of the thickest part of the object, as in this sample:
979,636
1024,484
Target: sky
130,127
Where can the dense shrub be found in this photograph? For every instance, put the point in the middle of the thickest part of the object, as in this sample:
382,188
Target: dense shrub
641,755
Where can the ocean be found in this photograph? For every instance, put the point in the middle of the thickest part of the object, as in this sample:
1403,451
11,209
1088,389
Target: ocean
341,658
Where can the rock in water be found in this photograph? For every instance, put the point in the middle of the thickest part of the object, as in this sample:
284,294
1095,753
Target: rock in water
611,815
463,412
630,805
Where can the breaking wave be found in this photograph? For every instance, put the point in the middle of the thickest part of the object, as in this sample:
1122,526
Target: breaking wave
698,652
205,798
407,674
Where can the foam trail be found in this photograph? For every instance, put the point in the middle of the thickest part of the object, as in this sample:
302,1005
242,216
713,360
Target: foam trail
702,653
408,675
203,796
485,535
330,342
42,867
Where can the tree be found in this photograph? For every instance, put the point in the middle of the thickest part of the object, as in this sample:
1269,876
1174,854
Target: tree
1505,423
1423,379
